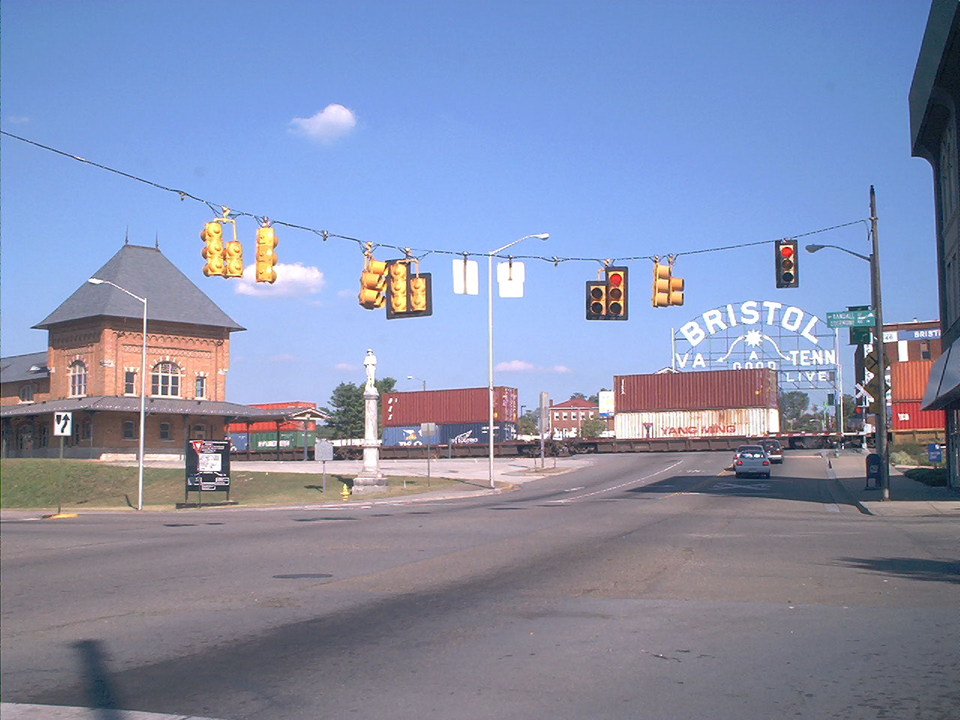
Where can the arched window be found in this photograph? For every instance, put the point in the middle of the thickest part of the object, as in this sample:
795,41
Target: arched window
165,380
78,378
26,392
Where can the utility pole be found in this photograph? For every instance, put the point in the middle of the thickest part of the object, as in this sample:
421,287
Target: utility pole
880,439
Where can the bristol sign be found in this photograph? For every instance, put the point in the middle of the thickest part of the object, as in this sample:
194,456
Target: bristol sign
761,334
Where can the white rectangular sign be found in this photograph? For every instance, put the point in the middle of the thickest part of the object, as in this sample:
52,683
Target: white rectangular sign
62,424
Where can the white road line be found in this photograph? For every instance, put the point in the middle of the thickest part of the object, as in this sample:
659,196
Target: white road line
621,485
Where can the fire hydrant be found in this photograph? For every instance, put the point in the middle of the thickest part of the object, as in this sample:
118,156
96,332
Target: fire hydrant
345,492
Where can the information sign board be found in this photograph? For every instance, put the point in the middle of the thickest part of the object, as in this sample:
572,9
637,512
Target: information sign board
208,465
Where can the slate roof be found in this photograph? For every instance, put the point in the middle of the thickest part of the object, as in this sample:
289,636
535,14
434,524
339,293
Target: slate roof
32,366
154,406
145,272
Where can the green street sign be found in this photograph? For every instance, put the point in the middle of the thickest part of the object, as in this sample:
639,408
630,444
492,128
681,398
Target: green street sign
851,318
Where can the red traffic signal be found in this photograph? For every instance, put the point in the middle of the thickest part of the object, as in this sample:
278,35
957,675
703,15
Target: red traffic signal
607,298
786,264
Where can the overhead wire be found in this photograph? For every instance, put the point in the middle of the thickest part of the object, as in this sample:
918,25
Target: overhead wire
216,208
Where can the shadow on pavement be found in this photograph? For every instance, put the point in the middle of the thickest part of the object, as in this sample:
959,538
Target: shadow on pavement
911,568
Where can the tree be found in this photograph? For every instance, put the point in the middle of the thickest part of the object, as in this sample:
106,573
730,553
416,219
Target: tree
593,427
527,424
346,408
578,396
793,407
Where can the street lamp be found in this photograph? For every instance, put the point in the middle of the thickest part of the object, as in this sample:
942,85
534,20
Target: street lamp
876,300
143,384
414,377
490,256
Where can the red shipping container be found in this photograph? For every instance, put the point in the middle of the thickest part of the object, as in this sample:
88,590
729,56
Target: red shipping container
272,425
447,407
711,390
909,416
908,380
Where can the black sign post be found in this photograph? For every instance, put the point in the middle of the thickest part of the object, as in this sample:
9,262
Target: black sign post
208,468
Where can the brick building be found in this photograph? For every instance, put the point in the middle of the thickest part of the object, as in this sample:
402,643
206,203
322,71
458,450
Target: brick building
92,367
567,418
935,136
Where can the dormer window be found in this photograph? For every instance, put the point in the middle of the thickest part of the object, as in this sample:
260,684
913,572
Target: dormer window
26,393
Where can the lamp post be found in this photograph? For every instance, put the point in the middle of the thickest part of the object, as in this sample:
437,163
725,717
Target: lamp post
143,384
414,377
490,256
876,300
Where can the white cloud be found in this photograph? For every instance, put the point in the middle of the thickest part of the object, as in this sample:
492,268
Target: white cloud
522,366
292,279
333,122
347,367
18,119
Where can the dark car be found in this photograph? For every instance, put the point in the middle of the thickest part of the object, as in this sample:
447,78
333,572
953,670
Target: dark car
774,449
751,460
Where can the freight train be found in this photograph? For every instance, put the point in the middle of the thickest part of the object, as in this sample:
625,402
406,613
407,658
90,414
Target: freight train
662,412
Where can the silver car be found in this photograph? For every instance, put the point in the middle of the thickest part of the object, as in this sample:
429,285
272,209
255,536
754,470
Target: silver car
774,449
751,460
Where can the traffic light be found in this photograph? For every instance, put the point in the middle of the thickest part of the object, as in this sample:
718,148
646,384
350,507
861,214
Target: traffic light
212,236
596,300
373,283
616,293
786,264
607,298
667,289
408,290
234,260
267,242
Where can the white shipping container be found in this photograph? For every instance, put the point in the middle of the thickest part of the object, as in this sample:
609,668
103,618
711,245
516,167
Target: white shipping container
737,422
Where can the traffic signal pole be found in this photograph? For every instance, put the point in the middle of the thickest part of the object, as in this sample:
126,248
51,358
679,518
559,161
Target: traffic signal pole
880,438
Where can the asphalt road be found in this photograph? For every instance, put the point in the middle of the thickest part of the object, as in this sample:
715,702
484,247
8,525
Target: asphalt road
643,586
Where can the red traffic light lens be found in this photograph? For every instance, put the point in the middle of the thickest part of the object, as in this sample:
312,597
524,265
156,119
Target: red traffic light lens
786,250
615,279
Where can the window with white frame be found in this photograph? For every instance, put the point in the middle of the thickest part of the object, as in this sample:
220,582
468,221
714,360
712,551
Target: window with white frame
78,378
200,389
130,382
165,380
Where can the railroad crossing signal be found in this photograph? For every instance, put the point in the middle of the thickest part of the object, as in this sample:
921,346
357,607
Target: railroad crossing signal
607,298
873,374
786,264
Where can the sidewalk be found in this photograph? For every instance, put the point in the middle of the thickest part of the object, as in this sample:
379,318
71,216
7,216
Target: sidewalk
907,497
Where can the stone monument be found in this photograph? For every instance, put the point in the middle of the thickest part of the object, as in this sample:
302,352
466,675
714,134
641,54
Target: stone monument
370,477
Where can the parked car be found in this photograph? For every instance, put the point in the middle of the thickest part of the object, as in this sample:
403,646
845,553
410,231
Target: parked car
751,460
774,449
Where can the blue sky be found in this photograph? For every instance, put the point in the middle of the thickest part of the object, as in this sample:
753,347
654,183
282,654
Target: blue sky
623,129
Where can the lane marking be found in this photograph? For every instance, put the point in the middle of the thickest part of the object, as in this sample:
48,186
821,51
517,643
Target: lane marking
620,486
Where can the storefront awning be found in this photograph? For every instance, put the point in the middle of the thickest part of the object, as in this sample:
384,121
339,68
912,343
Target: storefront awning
943,388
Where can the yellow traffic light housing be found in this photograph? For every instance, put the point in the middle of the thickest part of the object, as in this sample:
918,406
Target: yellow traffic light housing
212,236
409,291
267,242
233,266
667,289
373,283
